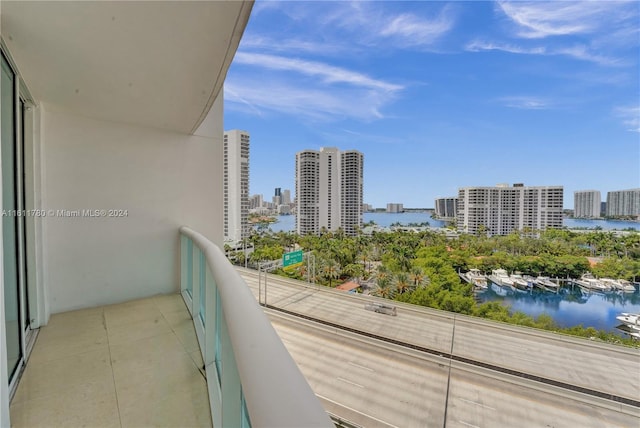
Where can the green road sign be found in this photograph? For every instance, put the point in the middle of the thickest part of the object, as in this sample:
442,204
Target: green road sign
292,259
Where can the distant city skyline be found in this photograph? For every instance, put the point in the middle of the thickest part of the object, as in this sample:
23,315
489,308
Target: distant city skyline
440,96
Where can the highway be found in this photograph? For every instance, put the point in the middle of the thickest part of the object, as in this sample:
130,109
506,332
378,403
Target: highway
374,384
595,368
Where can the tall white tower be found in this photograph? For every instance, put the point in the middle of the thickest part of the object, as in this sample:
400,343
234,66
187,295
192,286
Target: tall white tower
236,185
329,187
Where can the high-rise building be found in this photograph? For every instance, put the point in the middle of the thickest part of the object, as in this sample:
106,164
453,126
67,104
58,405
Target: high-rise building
502,209
236,185
395,208
277,197
255,202
352,182
329,187
286,197
446,208
586,204
623,203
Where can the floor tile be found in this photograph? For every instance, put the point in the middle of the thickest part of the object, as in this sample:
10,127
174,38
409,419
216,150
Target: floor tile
90,406
135,364
118,316
185,408
58,376
137,330
168,303
187,336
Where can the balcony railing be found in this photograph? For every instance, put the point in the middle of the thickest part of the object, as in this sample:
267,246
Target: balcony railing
252,379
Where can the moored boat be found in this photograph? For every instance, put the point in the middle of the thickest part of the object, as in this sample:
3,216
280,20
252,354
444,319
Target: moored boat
501,277
629,319
619,285
627,286
476,278
546,284
630,324
587,282
519,282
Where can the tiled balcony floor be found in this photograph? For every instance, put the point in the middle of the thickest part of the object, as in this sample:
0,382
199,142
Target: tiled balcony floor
135,364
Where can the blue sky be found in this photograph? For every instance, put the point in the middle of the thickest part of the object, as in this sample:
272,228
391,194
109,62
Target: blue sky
442,95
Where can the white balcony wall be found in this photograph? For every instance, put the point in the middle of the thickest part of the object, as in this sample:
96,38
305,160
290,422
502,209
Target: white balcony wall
161,178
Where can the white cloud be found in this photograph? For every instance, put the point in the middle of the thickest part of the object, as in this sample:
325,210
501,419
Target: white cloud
328,73
255,96
580,52
630,116
411,30
526,102
479,46
539,19
290,45
361,24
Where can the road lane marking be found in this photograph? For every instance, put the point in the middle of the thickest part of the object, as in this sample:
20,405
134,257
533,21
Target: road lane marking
476,403
362,367
469,425
322,397
348,381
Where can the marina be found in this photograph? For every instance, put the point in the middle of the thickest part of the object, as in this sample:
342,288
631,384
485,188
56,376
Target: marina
569,304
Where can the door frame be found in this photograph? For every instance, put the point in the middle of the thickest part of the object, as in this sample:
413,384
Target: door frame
29,227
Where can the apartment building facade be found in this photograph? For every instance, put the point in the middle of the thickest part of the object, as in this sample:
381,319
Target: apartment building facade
623,203
329,187
395,208
502,209
446,208
586,204
236,184
352,186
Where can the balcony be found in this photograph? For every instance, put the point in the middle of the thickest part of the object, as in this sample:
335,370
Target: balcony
148,362
130,122
132,364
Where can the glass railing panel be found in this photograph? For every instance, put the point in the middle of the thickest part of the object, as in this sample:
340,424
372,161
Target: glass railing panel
189,261
246,422
202,285
218,342
256,380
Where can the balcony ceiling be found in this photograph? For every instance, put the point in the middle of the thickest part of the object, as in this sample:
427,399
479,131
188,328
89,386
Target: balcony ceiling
156,64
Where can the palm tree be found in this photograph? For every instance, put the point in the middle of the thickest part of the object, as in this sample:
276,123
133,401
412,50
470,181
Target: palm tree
382,273
331,271
385,288
403,284
418,278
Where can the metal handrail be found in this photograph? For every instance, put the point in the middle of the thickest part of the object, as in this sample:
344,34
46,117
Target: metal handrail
275,391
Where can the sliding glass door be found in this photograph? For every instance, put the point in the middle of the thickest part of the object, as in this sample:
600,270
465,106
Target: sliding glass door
13,224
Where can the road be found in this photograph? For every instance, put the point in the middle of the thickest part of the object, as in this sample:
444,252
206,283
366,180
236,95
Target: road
598,367
376,384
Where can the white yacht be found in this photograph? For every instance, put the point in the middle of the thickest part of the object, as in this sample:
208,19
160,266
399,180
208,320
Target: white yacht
587,282
501,277
519,282
546,284
630,324
475,278
627,286
619,285
632,320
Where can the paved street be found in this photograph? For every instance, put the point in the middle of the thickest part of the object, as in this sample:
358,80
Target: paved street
589,364
383,385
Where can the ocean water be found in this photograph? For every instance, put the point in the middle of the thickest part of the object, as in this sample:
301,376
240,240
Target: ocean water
287,223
